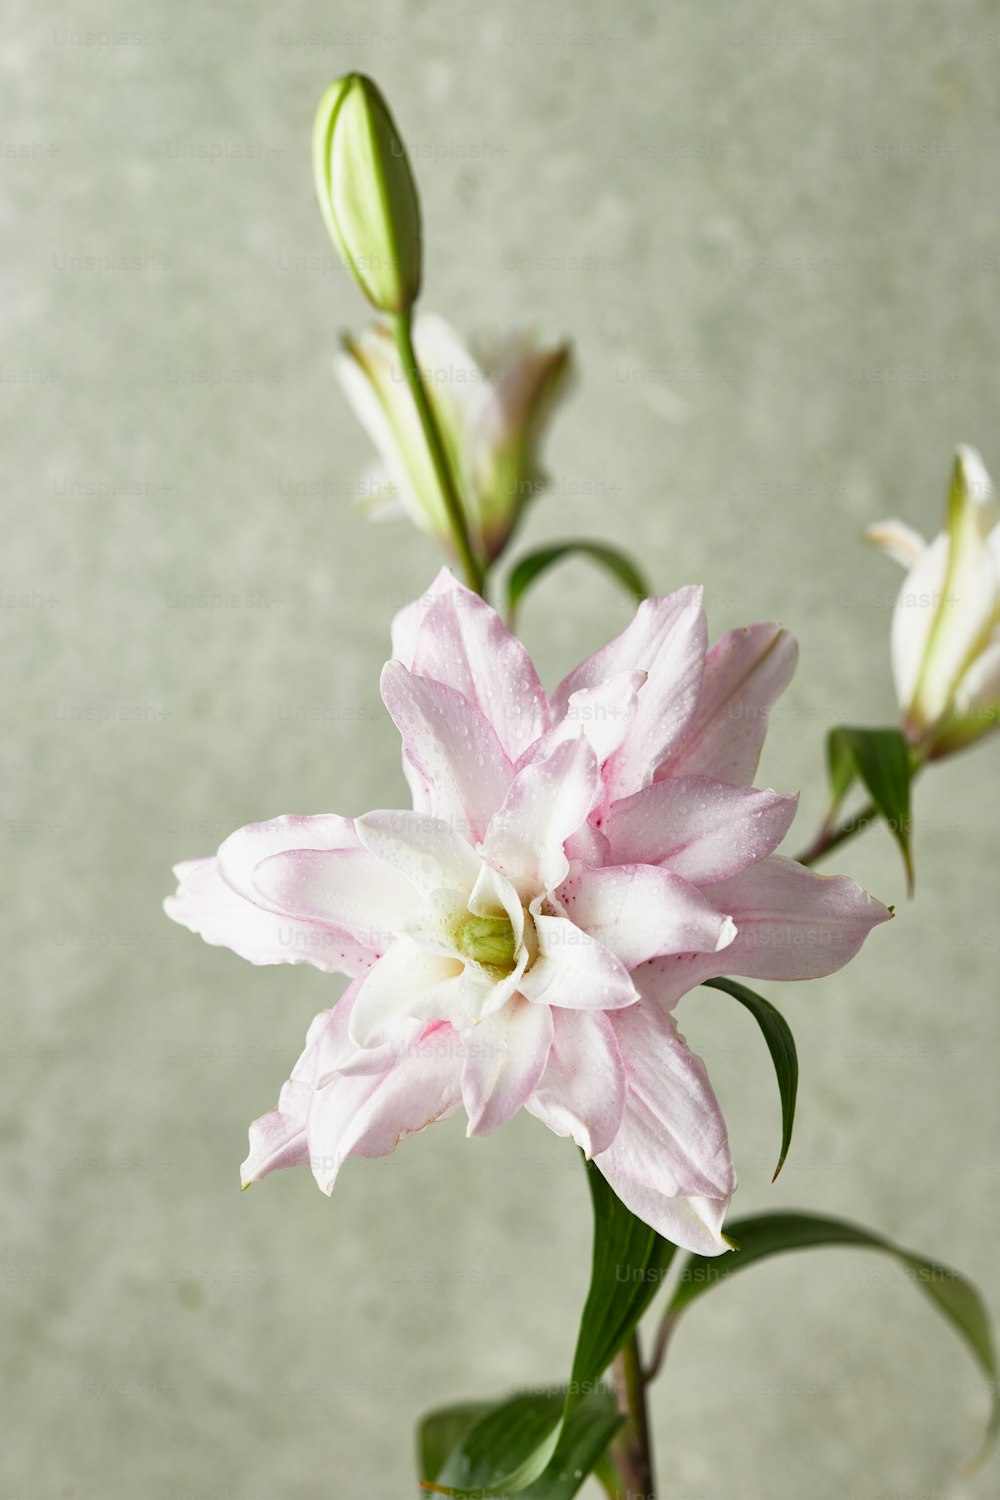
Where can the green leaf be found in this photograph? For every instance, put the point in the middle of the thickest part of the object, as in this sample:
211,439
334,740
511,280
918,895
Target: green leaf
536,563
880,760
520,1442
583,1441
440,1431
765,1235
508,1448
780,1044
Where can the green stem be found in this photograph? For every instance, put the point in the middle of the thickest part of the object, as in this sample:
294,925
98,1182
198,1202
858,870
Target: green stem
402,329
633,1448
832,836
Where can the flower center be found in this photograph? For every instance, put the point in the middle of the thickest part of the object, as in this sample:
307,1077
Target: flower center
488,941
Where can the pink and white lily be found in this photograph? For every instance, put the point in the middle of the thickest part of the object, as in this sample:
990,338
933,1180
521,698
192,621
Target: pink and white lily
570,868
946,623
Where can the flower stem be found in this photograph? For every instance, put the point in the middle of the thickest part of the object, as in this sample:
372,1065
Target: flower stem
633,1448
402,330
831,836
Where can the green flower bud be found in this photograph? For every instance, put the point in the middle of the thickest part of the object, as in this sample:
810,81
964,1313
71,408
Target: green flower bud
366,192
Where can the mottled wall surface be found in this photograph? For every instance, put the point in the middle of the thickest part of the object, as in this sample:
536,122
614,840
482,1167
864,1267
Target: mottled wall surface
774,234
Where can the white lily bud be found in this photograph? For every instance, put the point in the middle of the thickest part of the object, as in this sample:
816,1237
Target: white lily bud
367,193
946,624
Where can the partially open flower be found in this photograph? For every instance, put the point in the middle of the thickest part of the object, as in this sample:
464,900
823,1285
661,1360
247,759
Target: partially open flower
570,868
492,418
946,624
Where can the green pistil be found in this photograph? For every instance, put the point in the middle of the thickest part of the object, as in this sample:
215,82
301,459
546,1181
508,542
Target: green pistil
488,941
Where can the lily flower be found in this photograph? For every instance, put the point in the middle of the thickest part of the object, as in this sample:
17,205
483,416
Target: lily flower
946,623
492,418
569,869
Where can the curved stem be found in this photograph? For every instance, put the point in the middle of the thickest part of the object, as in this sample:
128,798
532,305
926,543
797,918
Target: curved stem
402,329
831,836
633,1447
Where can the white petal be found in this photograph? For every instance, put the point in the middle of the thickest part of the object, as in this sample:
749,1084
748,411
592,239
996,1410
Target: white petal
278,1139
791,924
426,850
666,640
696,827
346,889
897,540
454,637
639,911
406,983
582,1091
670,1161
369,1114
505,1056
602,714
976,707
371,378
451,747
917,606
970,595
574,970
546,804
208,905
745,672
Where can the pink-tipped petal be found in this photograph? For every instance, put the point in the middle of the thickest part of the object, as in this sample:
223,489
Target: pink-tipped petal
296,867
745,672
791,924
574,970
696,827
639,911
346,889
454,637
243,851
278,1139
582,1091
505,1056
426,850
369,1114
408,983
603,714
208,905
669,1161
547,803
460,772
667,640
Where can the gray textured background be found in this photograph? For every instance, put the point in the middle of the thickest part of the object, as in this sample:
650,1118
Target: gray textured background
774,233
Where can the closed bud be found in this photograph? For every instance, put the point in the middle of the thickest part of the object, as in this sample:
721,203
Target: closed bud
366,192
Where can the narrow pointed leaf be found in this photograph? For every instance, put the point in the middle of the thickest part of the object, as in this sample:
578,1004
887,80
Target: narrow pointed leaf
536,563
880,760
765,1235
781,1045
